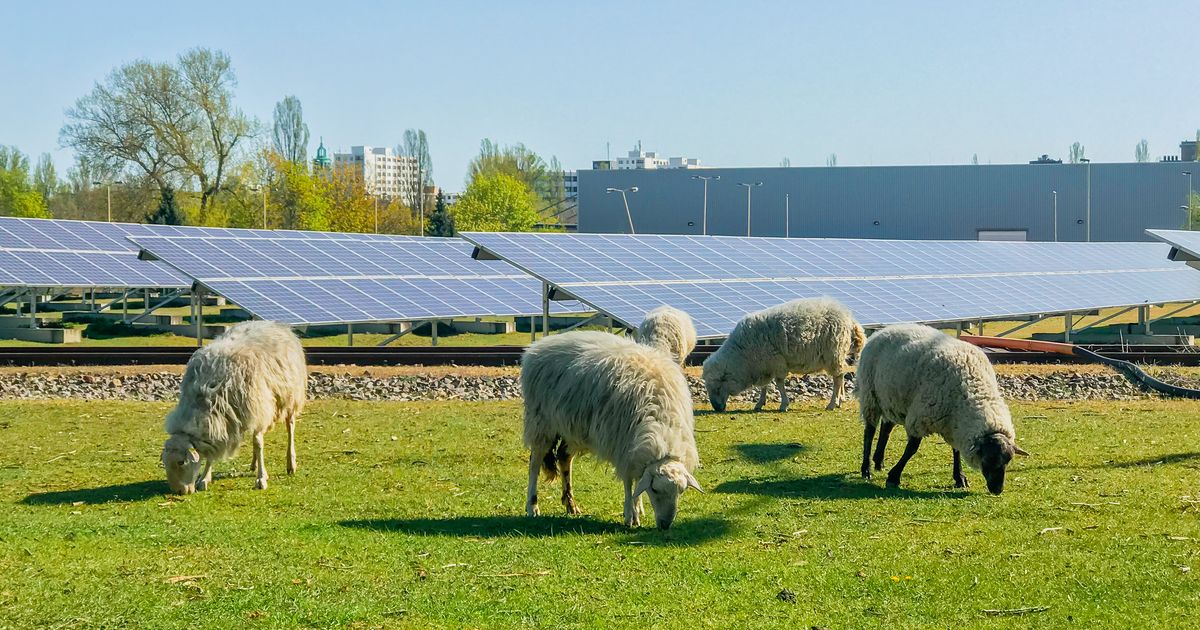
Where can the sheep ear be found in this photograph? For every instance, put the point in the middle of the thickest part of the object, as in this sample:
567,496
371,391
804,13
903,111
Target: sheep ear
1020,451
693,484
643,485
193,456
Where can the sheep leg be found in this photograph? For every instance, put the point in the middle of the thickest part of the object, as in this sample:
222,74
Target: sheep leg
291,449
868,435
633,517
885,431
535,467
205,476
839,388
762,398
960,480
568,494
783,397
893,478
260,483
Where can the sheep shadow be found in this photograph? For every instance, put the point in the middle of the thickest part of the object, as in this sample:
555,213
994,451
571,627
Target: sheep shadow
136,491
1153,460
769,453
685,531
830,487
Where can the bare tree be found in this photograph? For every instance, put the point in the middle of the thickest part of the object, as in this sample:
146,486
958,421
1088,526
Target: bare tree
1077,153
416,146
975,159
290,131
785,162
1141,152
45,177
831,160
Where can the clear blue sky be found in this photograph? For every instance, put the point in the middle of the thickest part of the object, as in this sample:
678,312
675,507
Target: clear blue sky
735,84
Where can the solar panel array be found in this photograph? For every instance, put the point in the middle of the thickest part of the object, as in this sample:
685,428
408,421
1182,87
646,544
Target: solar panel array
718,280
344,280
1185,244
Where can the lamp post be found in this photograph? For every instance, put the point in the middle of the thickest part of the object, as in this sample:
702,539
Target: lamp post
263,190
1189,197
376,214
749,187
625,199
787,215
109,185
704,217
1054,198
1187,211
1088,216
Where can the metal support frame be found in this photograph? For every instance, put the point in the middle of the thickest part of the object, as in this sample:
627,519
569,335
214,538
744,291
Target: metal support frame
33,308
397,335
589,320
165,298
957,329
198,316
545,308
113,302
1108,317
433,326
9,296
1023,326
1174,312
1144,319
349,334
1069,319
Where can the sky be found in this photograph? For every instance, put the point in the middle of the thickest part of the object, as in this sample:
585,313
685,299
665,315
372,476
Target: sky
732,83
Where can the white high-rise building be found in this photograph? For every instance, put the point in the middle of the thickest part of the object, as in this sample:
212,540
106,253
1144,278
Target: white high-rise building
638,159
384,173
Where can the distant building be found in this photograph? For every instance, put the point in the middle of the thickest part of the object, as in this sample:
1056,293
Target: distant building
646,160
322,160
450,198
570,183
384,174
1045,159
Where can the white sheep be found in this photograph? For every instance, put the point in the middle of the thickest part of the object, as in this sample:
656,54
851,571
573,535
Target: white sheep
801,336
934,384
625,402
245,381
670,330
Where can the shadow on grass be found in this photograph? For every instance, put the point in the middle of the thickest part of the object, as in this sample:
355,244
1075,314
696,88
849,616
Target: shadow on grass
137,491
685,531
829,487
767,453
1153,460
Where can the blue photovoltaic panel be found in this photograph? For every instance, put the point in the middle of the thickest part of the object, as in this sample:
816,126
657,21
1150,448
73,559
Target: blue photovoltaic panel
1185,244
334,281
718,280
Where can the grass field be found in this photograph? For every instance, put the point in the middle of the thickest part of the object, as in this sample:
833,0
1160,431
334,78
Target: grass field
411,515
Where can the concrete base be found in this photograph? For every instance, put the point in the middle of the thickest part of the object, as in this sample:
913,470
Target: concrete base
22,321
44,335
557,322
1103,337
484,328
152,320
64,307
366,329
209,300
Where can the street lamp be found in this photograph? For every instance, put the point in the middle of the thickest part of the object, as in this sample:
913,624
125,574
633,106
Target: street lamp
787,215
1088,227
1187,210
625,199
263,190
748,186
704,217
1189,197
1054,197
109,184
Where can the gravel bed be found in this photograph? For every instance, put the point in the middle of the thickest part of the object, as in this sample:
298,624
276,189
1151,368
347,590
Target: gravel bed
164,386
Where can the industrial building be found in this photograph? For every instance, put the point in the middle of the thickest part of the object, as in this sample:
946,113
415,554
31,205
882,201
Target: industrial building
1038,201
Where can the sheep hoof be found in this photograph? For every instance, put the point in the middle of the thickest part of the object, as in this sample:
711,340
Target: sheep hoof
962,482
866,474
260,484
572,508
893,483
782,408
831,407
532,510
201,485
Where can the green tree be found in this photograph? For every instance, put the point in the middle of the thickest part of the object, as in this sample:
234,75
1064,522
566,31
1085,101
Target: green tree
1141,152
290,132
45,178
496,203
1077,153
18,197
441,222
167,212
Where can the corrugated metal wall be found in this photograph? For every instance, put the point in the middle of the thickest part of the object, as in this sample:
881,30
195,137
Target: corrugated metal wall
920,202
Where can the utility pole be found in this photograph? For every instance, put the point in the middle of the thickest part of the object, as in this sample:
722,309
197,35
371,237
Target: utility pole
787,215
749,187
1189,198
704,216
1054,196
1088,216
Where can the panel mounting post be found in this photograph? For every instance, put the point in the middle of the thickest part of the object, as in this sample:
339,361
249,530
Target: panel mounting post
32,309
545,308
196,316
433,326
1069,323
1144,319
349,334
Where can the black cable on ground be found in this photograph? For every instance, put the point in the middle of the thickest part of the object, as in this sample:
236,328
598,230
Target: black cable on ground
1138,375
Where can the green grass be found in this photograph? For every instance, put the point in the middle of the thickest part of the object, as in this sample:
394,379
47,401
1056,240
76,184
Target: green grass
411,515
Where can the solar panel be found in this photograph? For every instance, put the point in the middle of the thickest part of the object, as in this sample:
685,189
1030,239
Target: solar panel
336,281
1185,245
718,280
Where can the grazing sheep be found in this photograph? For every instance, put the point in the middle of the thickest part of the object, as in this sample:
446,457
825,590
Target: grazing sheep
625,402
934,384
245,381
670,330
801,336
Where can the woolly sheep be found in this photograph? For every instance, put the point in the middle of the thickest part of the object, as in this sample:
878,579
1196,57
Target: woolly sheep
670,330
803,336
244,382
625,402
934,384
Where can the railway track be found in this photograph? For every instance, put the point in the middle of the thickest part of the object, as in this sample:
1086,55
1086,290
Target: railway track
485,355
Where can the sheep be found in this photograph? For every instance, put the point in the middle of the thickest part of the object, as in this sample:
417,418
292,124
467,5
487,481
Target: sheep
802,336
934,384
670,330
627,403
245,381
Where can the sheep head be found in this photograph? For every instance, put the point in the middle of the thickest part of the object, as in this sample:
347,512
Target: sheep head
991,454
664,481
719,383
182,463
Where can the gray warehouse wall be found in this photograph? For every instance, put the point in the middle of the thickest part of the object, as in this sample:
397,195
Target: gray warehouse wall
911,202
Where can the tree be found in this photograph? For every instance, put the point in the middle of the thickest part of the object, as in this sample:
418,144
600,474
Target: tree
515,160
1141,152
831,160
1077,153
496,203
785,162
167,212
18,198
290,131
441,222
416,146
975,159
45,178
